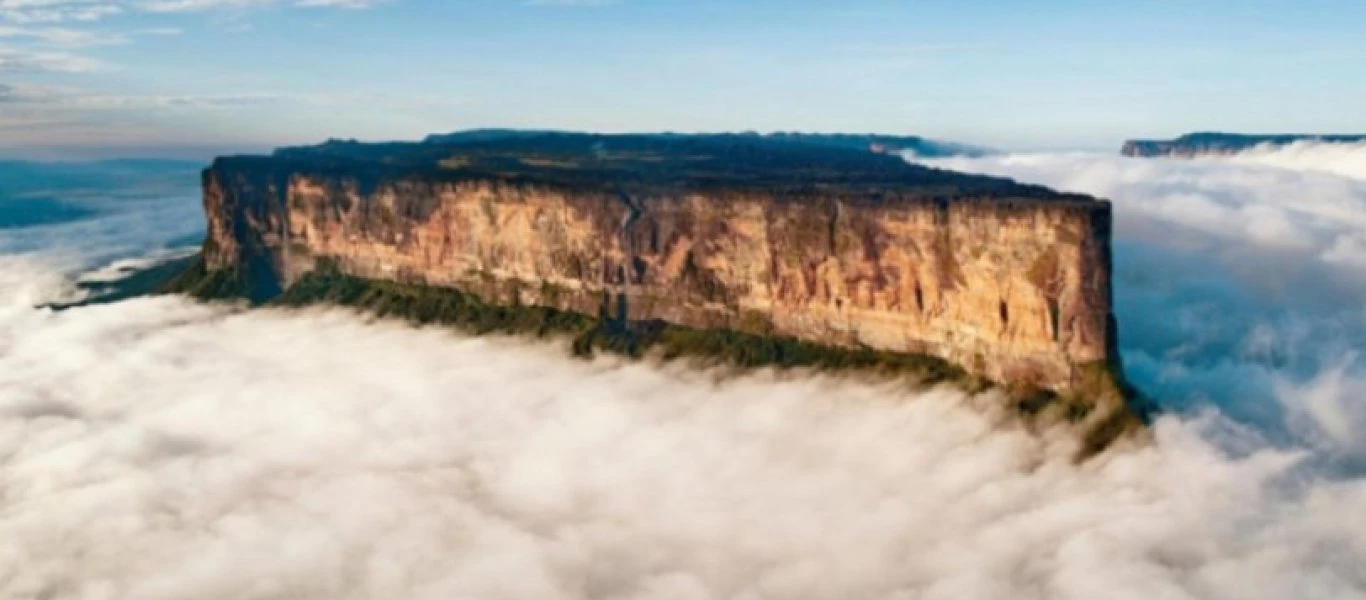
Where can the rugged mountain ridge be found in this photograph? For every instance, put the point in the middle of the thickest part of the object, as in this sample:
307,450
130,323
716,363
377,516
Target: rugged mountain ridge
771,238
1214,143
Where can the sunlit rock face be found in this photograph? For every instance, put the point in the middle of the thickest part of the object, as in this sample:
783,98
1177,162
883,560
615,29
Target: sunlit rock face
840,247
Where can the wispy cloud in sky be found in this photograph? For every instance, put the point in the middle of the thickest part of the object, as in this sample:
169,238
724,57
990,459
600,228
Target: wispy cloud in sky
571,3
50,11
75,42
20,60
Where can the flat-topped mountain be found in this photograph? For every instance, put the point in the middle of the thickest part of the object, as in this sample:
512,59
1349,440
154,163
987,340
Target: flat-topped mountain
1211,143
759,248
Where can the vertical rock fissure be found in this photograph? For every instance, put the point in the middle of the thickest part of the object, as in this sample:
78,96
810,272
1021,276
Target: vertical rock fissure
636,274
1054,318
832,228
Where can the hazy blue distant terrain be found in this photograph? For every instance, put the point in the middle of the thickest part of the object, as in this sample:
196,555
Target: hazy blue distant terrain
37,193
39,210
18,178
99,211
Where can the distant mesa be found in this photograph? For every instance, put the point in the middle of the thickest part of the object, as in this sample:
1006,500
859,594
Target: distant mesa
1217,144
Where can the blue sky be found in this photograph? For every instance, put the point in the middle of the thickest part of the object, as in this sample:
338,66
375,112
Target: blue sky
195,77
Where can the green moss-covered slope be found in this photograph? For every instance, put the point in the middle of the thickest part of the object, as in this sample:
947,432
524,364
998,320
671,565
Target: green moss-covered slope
201,283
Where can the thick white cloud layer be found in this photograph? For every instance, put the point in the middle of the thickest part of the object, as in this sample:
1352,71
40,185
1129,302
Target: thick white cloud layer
1240,281
1348,160
159,448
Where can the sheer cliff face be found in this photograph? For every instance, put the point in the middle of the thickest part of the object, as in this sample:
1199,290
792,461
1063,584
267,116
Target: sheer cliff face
1015,290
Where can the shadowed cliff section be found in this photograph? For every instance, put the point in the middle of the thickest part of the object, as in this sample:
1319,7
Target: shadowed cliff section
760,250
1214,143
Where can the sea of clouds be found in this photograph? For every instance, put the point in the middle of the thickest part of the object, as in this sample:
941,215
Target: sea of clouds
161,448
1348,160
1240,281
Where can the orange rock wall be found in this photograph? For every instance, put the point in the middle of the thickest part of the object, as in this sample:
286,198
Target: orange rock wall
1014,290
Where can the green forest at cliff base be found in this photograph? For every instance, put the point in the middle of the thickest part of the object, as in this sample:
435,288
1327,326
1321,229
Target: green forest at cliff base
1105,406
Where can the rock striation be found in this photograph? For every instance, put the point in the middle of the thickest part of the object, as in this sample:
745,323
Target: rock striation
1209,143
772,237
